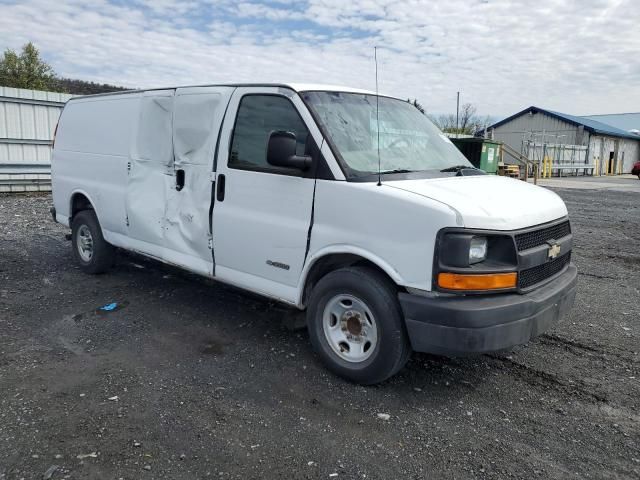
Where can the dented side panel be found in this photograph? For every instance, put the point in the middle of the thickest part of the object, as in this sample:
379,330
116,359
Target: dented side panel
150,160
197,117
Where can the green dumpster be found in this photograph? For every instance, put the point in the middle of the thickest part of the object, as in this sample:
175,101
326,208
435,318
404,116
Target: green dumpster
481,152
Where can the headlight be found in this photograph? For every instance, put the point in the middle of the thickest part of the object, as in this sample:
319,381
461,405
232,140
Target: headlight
474,261
477,250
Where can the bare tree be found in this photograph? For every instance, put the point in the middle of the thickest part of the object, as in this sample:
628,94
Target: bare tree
480,124
446,123
467,117
469,122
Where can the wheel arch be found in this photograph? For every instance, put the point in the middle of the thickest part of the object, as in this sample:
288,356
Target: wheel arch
331,259
80,200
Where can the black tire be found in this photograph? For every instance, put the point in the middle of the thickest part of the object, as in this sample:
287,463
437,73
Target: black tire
392,349
103,253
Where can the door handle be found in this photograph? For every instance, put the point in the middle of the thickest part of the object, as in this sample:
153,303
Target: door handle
220,189
179,180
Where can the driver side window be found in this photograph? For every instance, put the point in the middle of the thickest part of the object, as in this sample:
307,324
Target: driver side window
258,116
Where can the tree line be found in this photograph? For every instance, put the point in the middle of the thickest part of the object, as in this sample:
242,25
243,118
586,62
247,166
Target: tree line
28,70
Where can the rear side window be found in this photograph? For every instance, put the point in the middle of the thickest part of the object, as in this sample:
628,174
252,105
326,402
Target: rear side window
258,116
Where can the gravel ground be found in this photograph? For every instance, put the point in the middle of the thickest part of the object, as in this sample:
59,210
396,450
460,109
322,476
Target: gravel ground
189,379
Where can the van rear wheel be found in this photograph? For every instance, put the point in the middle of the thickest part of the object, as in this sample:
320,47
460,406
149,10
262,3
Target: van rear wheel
356,325
90,249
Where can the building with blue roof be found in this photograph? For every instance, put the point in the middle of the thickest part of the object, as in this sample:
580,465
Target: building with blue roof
629,122
569,139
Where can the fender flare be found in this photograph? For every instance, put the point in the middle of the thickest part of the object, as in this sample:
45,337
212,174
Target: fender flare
345,249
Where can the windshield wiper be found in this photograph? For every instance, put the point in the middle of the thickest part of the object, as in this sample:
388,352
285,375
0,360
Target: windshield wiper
464,170
457,168
397,170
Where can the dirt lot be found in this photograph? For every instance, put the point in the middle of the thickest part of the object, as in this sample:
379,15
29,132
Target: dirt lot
189,379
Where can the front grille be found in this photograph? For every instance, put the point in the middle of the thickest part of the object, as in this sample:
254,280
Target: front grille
528,240
532,276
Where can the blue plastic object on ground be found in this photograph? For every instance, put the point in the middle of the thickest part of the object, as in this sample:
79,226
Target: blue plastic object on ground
109,307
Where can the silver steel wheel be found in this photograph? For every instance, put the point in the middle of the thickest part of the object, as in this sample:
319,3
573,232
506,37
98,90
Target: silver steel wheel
350,328
84,243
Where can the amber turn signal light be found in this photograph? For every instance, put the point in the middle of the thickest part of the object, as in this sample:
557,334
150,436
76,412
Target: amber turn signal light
484,281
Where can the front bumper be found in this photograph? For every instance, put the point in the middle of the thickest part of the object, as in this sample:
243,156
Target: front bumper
461,325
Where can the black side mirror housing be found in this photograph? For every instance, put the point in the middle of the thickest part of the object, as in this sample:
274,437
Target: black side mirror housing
281,152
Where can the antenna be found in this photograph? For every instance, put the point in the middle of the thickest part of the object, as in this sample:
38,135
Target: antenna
375,57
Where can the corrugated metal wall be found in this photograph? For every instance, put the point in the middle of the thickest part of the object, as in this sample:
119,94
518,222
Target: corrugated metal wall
630,154
533,128
625,153
27,121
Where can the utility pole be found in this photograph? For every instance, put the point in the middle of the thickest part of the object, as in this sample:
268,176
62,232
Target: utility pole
457,113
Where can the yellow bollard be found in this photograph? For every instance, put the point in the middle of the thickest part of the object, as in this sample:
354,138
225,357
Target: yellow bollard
546,167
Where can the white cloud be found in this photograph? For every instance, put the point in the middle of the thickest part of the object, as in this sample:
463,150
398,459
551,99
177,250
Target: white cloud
258,10
575,56
167,7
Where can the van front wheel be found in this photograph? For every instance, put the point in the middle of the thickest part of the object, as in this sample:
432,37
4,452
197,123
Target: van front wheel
90,249
356,325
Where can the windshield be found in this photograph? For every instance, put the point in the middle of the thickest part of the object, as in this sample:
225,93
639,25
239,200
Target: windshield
409,142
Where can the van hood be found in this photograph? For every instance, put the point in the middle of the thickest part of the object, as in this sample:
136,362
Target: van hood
489,201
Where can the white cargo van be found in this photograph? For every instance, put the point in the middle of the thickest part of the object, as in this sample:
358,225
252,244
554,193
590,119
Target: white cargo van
351,206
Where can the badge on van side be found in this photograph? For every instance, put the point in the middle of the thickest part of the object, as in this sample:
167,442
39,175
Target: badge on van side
283,266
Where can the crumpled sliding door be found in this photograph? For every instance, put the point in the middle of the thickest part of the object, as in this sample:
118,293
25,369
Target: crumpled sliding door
198,114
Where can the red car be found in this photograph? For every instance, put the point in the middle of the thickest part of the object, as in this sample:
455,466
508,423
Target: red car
636,169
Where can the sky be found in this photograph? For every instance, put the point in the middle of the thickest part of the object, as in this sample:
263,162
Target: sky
575,56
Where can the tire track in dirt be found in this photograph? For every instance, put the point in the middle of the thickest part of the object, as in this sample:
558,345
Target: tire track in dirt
536,378
573,345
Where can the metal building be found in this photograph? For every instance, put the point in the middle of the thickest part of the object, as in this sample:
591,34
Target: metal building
27,121
579,145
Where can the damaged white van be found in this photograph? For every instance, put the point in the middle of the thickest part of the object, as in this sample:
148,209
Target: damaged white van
351,206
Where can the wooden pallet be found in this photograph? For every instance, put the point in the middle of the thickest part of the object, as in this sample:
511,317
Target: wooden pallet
512,171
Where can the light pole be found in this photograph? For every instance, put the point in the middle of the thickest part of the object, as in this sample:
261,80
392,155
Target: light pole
457,112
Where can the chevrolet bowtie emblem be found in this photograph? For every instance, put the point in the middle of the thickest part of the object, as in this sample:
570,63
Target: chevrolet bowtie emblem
554,250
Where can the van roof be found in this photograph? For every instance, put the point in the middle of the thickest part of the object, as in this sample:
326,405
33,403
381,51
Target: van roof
298,87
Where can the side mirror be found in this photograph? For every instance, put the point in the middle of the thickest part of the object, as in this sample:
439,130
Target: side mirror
281,152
